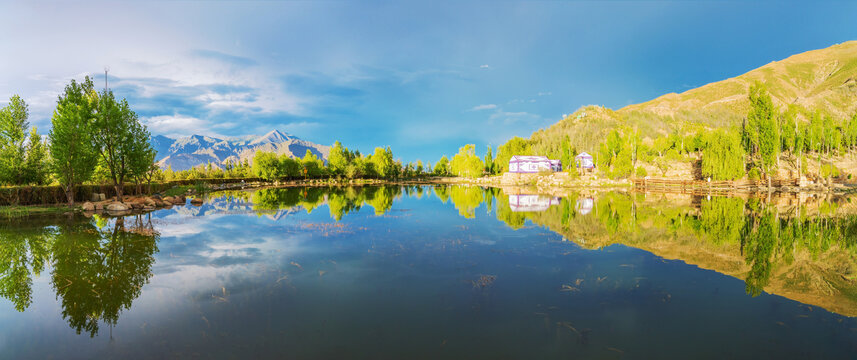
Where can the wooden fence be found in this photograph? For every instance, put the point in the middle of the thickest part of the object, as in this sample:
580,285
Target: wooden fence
705,187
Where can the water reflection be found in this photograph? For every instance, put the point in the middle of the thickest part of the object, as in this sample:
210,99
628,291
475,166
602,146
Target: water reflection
802,248
99,265
241,256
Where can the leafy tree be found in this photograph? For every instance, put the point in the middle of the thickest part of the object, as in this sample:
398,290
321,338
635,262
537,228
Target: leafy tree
72,148
489,161
141,162
788,125
117,137
515,146
466,163
36,165
312,165
441,168
338,159
763,129
723,156
266,165
382,161
13,134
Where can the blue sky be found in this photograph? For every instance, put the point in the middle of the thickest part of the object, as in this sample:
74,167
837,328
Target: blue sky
421,77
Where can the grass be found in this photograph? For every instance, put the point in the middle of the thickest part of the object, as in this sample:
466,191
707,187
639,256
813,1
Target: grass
15,211
178,190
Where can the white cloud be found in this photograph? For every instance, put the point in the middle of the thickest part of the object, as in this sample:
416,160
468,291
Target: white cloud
545,93
176,126
483,107
484,66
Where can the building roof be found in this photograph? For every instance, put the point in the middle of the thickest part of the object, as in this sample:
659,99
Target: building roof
583,155
517,158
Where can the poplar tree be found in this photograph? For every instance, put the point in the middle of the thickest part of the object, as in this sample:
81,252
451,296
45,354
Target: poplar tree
764,132
73,154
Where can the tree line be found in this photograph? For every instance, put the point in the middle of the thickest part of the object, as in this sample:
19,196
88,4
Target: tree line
93,135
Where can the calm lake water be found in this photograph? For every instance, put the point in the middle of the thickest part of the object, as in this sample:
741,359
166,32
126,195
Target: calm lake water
436,272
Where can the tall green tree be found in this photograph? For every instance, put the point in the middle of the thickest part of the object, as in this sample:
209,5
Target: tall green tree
764,129
466,163
441,168
72,147
489,161
36,165
338,159
119,138
515,146
13,134
723,156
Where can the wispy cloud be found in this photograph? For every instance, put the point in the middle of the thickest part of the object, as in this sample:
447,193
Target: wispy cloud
483,107
226,58
177,125
484,66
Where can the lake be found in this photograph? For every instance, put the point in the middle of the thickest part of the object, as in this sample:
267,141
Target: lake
431,272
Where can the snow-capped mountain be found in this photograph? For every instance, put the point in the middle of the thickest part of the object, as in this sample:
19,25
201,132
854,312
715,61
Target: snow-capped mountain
187,152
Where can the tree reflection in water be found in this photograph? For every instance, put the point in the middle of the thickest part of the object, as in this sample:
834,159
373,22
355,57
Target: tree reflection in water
99,265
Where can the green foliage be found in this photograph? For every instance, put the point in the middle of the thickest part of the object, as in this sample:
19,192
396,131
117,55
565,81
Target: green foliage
829,171
641,172
13,131
338,159
121,140
762,134
266,165
490,167
723,156
754,174
441,168
515,146
22,159
466,163
312,165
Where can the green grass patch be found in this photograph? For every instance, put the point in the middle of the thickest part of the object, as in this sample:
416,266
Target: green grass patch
25,211
178,190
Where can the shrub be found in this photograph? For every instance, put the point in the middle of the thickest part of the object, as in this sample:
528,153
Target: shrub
641,172
829,170
754,174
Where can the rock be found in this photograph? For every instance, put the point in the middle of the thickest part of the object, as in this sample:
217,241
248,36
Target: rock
136,205
196,201
96,197
117,206
149,202
88,206
99,206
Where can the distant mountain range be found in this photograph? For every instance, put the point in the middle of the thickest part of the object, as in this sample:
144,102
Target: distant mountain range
195,150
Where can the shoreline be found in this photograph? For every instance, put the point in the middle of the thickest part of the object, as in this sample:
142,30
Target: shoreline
554,184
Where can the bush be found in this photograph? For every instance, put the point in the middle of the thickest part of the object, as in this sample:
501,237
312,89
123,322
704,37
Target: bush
829,170
641,172
754,174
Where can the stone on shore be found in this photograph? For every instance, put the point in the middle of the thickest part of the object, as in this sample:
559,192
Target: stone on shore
88,206
117,206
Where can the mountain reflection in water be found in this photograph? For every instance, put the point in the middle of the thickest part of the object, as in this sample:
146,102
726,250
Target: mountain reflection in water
253,252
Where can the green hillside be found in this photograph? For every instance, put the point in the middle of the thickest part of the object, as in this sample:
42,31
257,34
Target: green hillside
824,80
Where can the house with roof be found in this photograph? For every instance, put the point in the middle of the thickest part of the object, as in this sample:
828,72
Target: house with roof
533,164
